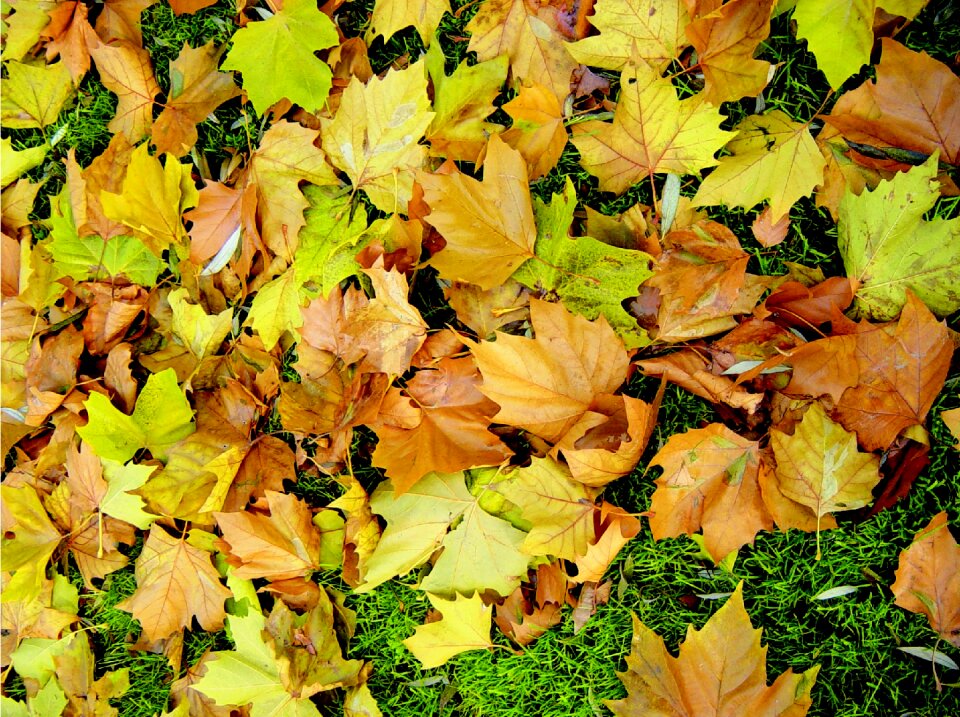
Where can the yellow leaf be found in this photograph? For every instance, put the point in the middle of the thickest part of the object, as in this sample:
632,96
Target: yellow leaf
391,16
465,626
36,94
375,135
652,131
771,158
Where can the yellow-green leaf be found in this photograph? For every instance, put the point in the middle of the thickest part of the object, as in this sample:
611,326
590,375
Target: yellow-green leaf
465,626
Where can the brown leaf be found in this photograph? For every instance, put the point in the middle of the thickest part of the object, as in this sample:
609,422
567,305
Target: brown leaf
176,582
902,369
120,20
438,423
70,36
51,373
487,311
768,232
709,481
197,90
188,7
928,578
547,383
614,528
125,70
537,133
720,671
914,104
113,310
793,304
280,546
215,219
689,369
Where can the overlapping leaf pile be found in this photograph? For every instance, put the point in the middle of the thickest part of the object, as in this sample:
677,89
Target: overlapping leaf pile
183,341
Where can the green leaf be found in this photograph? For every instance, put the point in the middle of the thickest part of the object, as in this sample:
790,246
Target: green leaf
161,417
276,57
118,501
590,277
888,248
839,33
90,257
18,162
330,239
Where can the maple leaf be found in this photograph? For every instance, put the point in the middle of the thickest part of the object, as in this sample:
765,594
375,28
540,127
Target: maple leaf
391,16
820,467
481,553
175,582
628,29
614,528
437,423
461,103
771,158
70,36
537,132
120,20
709,481
721,670
888,249
652,131
590,277
36,95
17,162
29,540
161,417
281,546
725,41
535,48
559,509
465,626
928,578
265,52
152,200
488,226
374,137
125,70
545,384
196,90
24,26
914,104
901,370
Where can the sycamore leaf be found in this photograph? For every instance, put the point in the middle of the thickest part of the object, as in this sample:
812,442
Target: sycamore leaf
771,158
900,372
545,384
725,41
23,27
17,162
590,277
374,137
391,16
465,626
276,309
36,95
29,540
536,50
125,70
118,501
284,545
838,32
628,29
914,104
215,220
196,90
200,332
462,102
951,419
652,132
888,248
162,417
437,423
488,226
709,481
152,200
560,509
820,467
721,671
481,553
928,578
175,582
537,133
276,57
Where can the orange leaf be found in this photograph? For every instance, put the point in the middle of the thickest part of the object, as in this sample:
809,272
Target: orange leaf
125,70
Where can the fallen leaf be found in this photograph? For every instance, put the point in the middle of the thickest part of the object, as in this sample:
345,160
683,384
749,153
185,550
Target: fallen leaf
652,132
545,384
709,481
488,226
175,582
690,370
767,232
36,95
465,626
391,16
537,132
888,249
928,578
720,670
125,70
